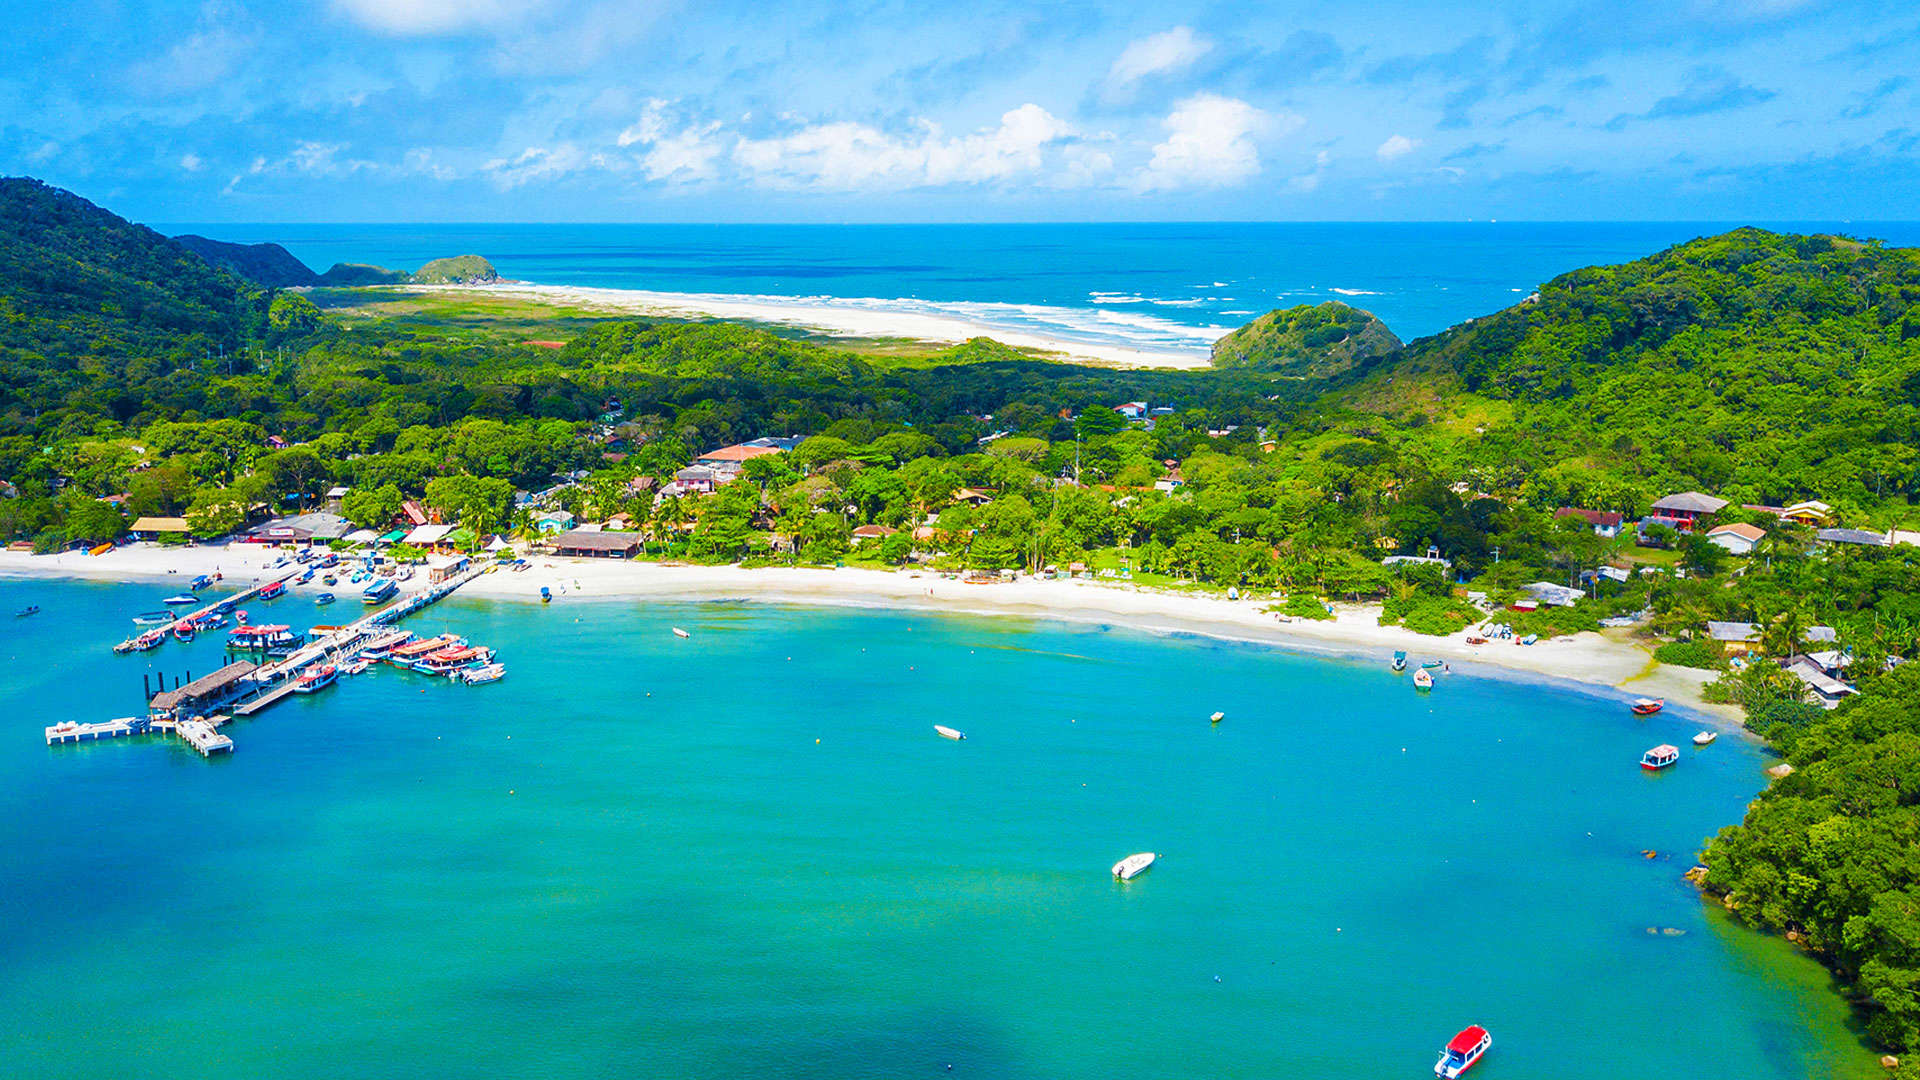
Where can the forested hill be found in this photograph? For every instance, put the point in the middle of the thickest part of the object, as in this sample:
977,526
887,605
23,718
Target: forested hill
263,264
1761,366
92,305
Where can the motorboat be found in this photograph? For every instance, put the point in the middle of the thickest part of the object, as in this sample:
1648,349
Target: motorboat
1399,660
183,598
325,598
184,630
1647,706
949,733
315,679
380,591
271,589
200,582
1659,757
1460,1054
355,667
30,609
1423,679
679,633
330,580
152,618
1217,717
1705,738
1432,663
485,673
1133,865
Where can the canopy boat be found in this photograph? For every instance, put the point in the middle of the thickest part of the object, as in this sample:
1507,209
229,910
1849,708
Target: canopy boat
306,577
152,618
380,590
271,589
183,598
447,661
380,647
1399,660
30,609
1659,757
1465,1049
315,679
949,733
405,655
141,643
1705,738
1432,663
324,598
265,638
1423,679
184,630
200,582
212,620
1133,865
1647,706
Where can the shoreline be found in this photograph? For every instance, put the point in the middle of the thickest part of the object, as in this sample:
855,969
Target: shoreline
834,317
1587,662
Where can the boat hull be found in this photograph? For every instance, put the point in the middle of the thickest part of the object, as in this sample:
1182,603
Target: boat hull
949,733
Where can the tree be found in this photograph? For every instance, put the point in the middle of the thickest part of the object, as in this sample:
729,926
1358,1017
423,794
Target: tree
371,508
483,505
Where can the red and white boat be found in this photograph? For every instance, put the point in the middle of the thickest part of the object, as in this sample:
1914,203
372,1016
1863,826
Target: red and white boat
1465,1049
1659,757
315,679
1647,706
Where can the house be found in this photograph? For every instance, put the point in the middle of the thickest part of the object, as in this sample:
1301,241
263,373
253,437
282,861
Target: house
1820,635
153,528
553,521
1688,507
872,532
700,479
620,522
314,528
1812,512
1735,638
1643,532
1132,410
1859,537
413,513
442,567
1549,593
1169,482
739,453
640,485
1738,538
597,545
1605,522
1828,690
427,536
972,496
334,496
1416,560
275,442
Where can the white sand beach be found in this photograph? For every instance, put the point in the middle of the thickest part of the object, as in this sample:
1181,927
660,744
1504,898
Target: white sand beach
833,316
1597,661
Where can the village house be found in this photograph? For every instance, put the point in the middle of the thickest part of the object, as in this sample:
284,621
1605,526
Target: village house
1547,592
335,495
1812,513
428,536
1734,638
621,522
314,528
866,533
972,497
413,513
1823,683
1738,538
153,528
740,453
1688,507
553,521
1857,537
1132,410
597,545
442,567
1604,522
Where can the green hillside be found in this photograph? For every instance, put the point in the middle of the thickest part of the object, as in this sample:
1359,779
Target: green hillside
268,265
458,270
1312,340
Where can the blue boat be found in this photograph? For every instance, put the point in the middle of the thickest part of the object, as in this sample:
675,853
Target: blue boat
384,589
324,598
1399,660
546,595
200,582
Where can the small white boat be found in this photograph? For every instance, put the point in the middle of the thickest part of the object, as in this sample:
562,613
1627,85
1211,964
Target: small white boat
1423,679
1133,865
679,633
1217,717
1705,738
485,673
949,733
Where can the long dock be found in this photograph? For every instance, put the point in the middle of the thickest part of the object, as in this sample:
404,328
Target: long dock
227,603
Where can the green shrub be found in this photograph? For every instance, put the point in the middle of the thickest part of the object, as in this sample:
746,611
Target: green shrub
1302,606
1435,616
1693,654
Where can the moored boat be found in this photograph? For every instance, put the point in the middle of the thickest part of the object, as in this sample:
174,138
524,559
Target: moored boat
184,630
200,582
1217,717
1133,865
1659,757
152,618
1423,679
30,609
1462,1052
485,673
1648,706
271,589
1399,660
1705,738
315,679
182,598
1432,663
380,590
679,633
324,598
949,733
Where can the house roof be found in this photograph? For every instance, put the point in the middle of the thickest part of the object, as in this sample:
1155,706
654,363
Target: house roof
160,524
1741,529
966,493
1852,536
597,541
1604,518
1811,506
204,685
1692,502
1820,634
1822,682
429,534
739,452
413,512
325,526
869,531
1732,631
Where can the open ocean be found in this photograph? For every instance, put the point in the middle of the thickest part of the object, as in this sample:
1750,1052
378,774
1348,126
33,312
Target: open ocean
1152,287
747,854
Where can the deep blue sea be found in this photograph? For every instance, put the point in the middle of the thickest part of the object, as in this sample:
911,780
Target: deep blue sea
1166,287
747,854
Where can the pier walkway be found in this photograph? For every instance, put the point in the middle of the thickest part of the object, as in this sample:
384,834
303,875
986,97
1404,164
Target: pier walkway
228,603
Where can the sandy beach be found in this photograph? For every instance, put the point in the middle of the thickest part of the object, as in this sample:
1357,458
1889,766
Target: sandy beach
1593,661
832,316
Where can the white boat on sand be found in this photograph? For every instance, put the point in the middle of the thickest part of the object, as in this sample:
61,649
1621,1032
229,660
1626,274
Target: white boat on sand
949,733
1133,865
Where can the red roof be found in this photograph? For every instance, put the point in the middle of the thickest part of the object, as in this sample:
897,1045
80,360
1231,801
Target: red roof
1605,518
1467,1040
1664,749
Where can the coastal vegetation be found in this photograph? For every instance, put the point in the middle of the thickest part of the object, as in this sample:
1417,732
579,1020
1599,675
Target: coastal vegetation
139,379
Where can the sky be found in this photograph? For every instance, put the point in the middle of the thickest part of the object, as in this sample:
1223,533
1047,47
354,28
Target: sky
720,110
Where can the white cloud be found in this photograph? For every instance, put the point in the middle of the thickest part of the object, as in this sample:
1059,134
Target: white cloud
1310,180
407,18
683,156
1210,143
223,37
850,156
191,162
537,163
1396,146
420,161
1158,54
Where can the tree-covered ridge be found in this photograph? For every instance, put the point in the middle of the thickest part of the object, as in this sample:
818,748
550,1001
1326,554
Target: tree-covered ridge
1311,340
458,270
268,265
1764,367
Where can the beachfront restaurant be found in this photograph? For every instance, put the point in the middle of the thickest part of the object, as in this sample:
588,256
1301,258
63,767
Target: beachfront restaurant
313,528
153,528
597,545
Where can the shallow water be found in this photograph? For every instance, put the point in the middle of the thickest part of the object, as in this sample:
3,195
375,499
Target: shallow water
747,853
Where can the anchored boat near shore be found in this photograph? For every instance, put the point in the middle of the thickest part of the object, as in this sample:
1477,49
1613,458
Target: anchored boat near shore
1133,865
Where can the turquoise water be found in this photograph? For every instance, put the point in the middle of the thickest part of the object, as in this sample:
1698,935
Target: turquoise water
748,854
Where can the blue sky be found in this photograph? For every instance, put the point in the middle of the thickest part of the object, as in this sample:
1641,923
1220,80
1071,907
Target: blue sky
657,110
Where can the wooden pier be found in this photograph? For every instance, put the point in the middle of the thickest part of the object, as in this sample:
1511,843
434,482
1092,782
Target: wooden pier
227,603
72,732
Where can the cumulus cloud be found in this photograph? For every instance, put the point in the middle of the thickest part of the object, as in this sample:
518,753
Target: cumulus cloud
191,162
1396,146
1310,180
408,18
682,156
1210,143
851,156
539,163
1165,53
